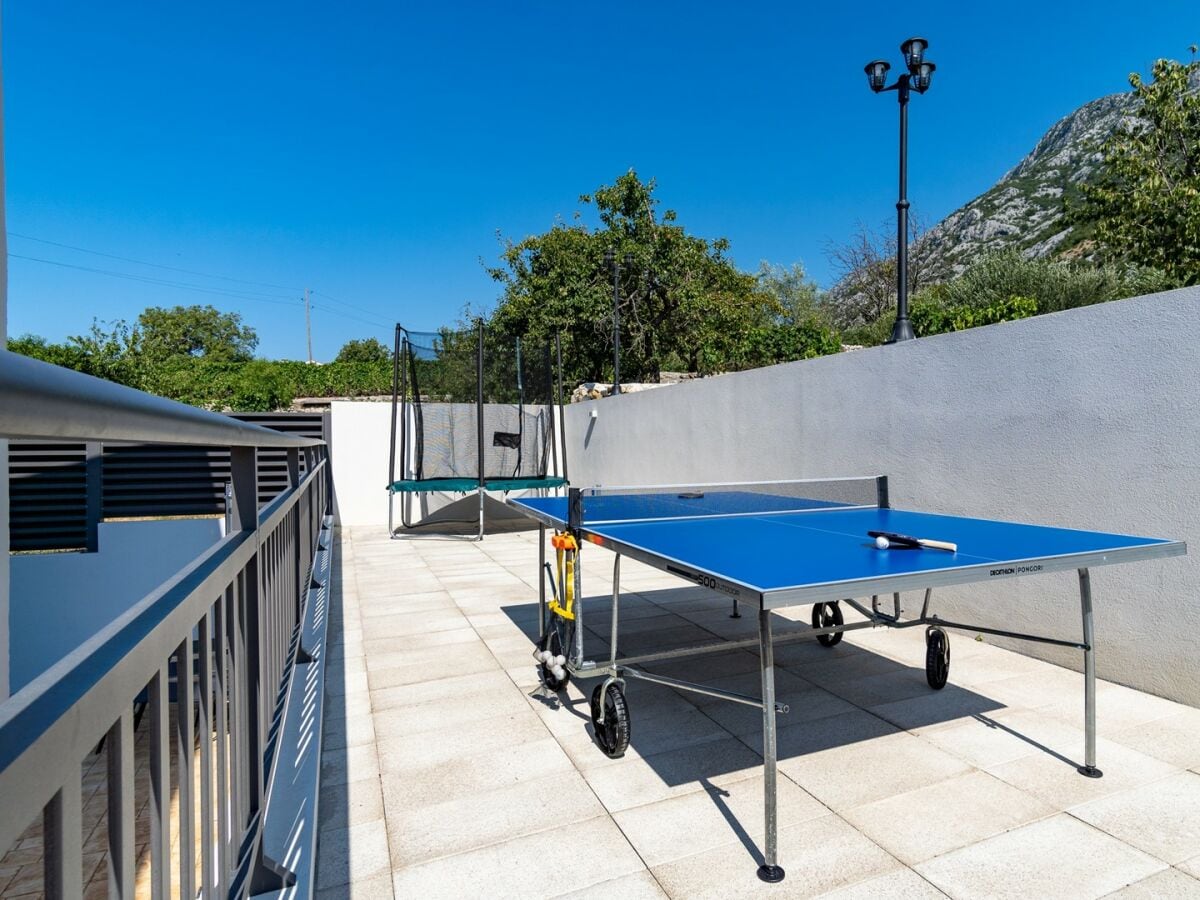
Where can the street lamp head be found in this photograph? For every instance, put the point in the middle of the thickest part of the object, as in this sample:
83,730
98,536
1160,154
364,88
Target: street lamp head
627,261
914,52
877,70
922,77
609,258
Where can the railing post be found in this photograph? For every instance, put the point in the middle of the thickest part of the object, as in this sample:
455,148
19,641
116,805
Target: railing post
244,480
94,494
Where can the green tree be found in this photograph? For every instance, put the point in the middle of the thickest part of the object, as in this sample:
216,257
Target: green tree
1145,202
365,350
683,304
193,331
793,290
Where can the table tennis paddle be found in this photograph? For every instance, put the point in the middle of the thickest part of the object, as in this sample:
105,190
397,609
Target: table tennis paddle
905,542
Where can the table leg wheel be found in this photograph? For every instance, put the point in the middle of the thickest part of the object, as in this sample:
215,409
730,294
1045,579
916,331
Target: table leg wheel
554,644
612,735
937,657
771,874
827,615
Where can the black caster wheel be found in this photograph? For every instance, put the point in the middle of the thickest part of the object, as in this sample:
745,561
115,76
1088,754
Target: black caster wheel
613,734
553,643
826,615
937,657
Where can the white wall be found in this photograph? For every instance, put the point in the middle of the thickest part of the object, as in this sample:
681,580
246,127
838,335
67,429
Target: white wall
59,600
1088,418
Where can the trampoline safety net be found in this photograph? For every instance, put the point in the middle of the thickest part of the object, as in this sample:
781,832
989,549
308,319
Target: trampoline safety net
474,412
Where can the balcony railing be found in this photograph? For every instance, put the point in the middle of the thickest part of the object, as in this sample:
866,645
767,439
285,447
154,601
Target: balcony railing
224,640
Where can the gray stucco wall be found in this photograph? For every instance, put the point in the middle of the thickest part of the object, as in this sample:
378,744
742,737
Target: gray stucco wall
1088,418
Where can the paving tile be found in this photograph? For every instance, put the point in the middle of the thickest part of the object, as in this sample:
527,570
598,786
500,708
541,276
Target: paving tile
819,855
936,709
1162,819
514,868
434,664
1165,885
863,772
929,821
346,855
902,884
350,803
378,887
471,774
421,750
636,886
667,730
1055,780
339,766
1117,707
1056,857
991,739
441,829
1174,739
804,705
707,819
1191,866
635,782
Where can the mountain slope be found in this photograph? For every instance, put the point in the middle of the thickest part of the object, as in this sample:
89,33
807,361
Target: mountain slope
1026,208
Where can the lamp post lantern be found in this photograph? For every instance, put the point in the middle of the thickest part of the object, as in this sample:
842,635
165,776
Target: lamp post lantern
917,78
611,262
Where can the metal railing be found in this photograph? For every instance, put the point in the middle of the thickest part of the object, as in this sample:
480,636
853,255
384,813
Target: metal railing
220,640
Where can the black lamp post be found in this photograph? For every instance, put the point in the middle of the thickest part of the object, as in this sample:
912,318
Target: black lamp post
610,261
917,78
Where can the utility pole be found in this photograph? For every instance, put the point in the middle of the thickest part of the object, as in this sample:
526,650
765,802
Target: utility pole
308,324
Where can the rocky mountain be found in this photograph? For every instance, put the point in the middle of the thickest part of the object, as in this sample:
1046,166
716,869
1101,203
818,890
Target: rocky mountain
1026,208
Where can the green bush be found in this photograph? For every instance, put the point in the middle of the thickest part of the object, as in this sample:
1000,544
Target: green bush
1053,285
930,317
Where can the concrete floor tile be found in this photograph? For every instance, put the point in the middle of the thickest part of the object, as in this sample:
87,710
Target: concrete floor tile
433,664
1191,866
444,716
635,782
991,739
350,803
513,869
378,887
818,855
1117,707
705,820
347,855
927,822
422,750
636,886
473,774
903,884
805,705
1174,739
670,730
424,833
1169,884
446,690
1054,779
1056,857
892,763
346,764
1162,819
936,709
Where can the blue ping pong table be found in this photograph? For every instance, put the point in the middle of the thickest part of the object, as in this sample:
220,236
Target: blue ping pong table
780,544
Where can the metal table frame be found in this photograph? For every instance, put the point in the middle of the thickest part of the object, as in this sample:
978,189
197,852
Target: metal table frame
616,670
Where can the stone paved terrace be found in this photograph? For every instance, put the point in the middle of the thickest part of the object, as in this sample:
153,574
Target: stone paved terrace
446,775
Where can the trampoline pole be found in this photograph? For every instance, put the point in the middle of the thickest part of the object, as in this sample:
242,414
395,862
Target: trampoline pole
479,418
557,408
392,437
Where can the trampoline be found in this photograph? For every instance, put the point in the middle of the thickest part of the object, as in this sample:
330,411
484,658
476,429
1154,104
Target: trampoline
472,411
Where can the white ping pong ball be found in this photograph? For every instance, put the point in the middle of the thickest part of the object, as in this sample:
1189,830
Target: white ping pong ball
881,542
560,660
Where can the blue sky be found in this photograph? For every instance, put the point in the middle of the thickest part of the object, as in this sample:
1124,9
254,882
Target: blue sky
373,151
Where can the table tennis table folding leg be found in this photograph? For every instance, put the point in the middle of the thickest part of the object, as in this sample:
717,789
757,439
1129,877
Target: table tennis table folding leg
769,871
1089,678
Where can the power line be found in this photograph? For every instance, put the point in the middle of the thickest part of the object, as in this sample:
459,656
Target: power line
378,323
363,309
142,262
145,279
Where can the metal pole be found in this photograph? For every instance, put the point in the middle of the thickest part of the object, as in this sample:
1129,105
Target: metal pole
616,327
616,601
1089,679
558,405
308,323
769,871
541,577
902,330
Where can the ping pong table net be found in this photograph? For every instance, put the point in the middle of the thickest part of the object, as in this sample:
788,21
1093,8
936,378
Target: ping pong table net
683,501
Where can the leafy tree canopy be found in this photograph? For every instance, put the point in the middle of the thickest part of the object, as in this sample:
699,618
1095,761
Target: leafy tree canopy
683,304
366,350
1145,202
192,331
